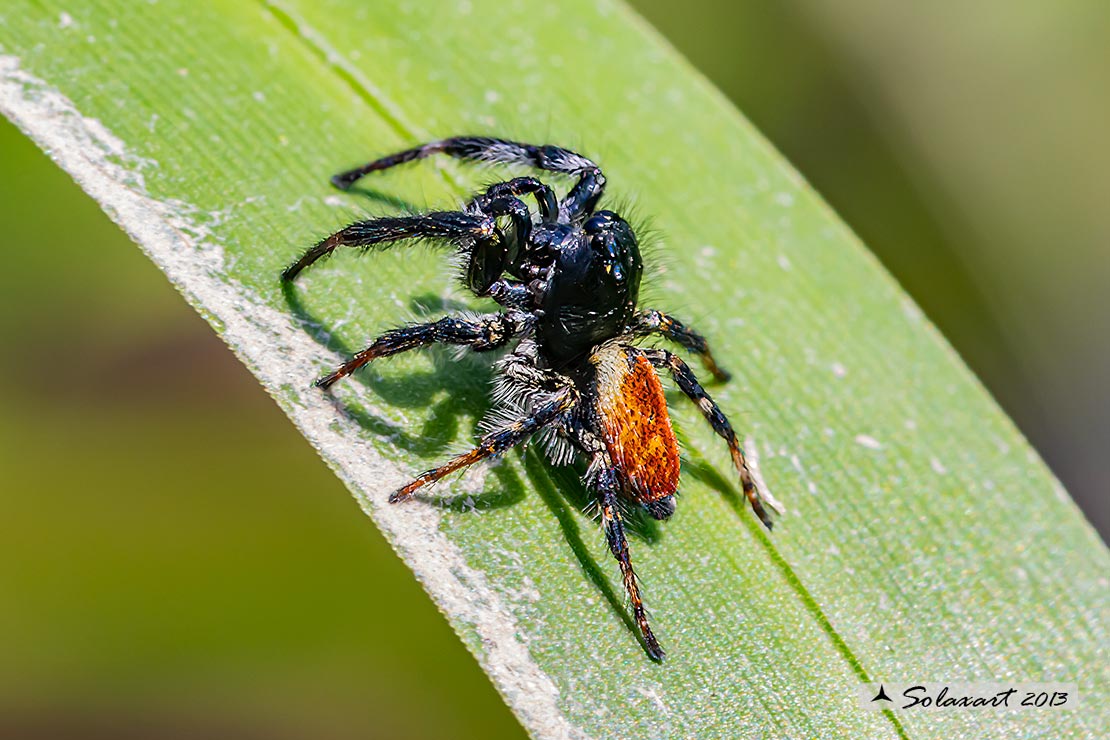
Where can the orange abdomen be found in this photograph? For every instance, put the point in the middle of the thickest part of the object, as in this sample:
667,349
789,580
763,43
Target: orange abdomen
636,427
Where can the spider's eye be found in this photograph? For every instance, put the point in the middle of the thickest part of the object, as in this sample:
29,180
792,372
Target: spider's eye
607,248
612,240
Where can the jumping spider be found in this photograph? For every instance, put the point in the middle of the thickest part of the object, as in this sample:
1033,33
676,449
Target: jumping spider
567,279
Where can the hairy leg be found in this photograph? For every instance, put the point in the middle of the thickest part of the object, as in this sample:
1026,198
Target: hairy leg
453,227
519,369
579,203
497,441
606,486
479,333
689,385
657,322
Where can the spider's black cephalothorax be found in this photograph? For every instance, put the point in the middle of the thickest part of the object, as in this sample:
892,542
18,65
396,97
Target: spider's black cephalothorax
567,277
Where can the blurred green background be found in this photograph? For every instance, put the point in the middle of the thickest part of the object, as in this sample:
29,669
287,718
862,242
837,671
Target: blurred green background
149,586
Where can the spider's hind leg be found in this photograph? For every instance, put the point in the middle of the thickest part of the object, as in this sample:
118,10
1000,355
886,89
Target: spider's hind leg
688,384
498,441
606,485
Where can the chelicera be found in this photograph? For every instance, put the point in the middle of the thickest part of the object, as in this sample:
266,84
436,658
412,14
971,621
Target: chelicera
567,279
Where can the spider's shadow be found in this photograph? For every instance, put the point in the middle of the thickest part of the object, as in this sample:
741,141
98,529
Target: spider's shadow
385,199
699,468
451,389
558,486
462,390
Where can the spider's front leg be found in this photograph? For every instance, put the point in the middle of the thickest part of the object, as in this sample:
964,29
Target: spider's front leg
688,384
657,322
480,333
467,230
487,248
606,485
579,203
